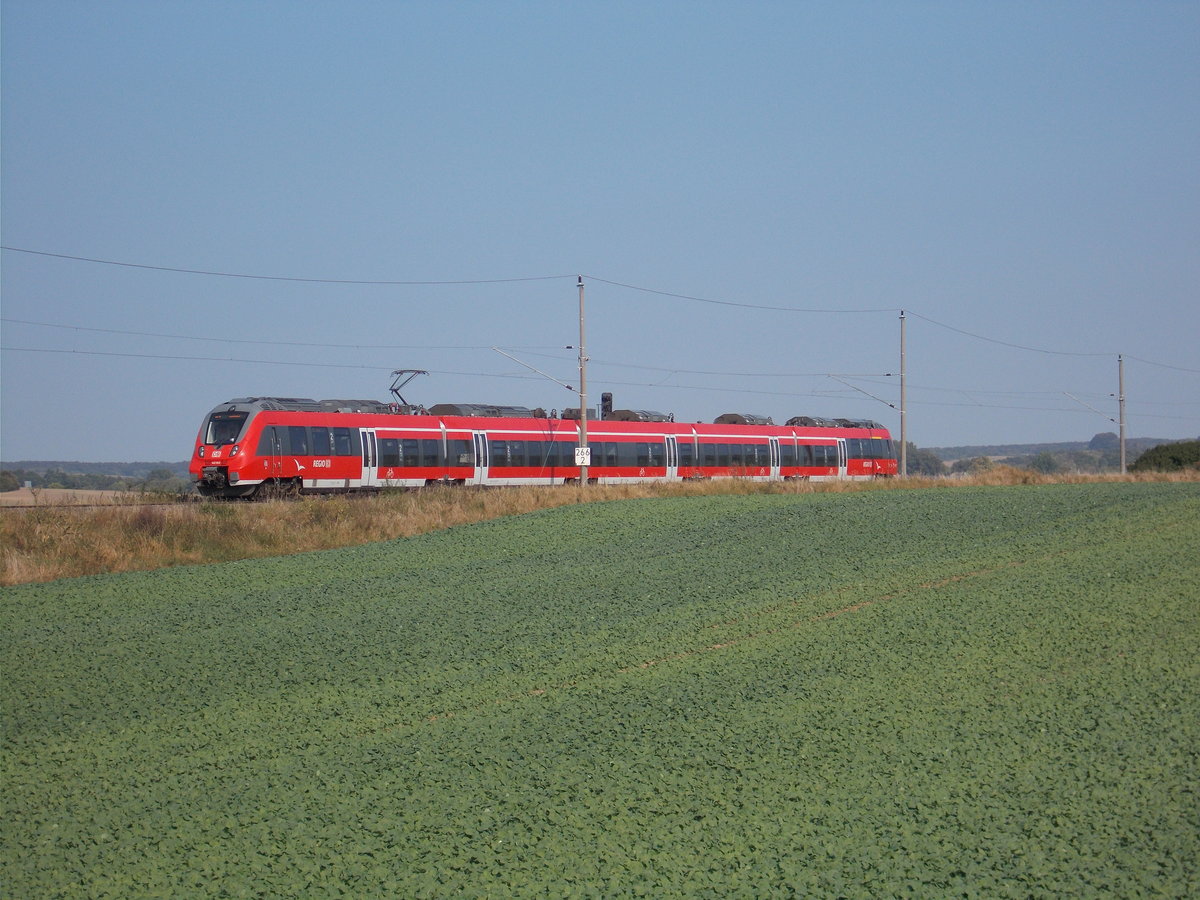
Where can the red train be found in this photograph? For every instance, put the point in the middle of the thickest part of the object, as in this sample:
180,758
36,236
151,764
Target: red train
272,446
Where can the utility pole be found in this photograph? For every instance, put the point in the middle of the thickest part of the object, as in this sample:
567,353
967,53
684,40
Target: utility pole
584,452
1121,405
903,405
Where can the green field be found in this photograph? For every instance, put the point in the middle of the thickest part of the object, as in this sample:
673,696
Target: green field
944,692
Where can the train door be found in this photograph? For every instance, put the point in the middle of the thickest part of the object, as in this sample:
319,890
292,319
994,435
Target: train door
271,449
773,454
370,460
481,458
842,457
672,457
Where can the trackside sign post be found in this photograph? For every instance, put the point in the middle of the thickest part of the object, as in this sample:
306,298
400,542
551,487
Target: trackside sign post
583,456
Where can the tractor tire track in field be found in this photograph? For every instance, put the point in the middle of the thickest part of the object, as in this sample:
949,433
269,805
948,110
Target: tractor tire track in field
709,648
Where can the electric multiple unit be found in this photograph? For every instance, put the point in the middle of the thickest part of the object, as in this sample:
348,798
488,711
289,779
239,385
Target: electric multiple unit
273,446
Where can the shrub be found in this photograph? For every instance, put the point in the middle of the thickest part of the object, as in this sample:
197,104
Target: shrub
1169,458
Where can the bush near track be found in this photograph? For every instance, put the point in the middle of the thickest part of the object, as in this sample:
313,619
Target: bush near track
982,691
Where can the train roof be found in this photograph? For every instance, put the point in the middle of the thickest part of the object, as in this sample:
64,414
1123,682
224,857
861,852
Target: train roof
487,410
490,410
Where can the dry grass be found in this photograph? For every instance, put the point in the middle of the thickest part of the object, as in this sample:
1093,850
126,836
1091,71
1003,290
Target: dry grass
51,542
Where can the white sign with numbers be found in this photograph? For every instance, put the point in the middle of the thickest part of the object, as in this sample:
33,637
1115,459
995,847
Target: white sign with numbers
583,456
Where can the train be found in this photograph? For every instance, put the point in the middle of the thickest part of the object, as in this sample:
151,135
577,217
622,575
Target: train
265,447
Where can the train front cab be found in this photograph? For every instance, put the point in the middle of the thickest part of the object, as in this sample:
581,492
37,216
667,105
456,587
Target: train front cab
218,455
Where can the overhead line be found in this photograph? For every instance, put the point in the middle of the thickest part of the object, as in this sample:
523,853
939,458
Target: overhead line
532,350
981,337
646,290
520,376
1150,362
626,285
129,265
231,340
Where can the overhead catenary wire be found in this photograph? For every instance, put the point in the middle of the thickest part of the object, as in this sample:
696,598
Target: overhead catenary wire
980,337
621,284
604,382
233,340
220,274
426,347
517,375
736,303
599,363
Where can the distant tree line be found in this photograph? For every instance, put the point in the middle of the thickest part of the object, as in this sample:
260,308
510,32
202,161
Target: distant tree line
1101,454
161,480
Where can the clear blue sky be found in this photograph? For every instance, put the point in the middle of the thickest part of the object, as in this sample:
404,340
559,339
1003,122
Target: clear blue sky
1027,173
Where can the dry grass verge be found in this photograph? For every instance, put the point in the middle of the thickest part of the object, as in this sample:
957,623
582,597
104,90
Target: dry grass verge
51,542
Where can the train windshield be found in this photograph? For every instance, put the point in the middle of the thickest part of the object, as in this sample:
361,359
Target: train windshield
224,427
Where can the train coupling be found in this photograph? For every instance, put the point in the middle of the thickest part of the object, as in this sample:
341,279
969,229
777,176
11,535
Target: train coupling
216,476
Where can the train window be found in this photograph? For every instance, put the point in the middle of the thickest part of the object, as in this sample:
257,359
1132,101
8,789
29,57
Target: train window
321,444
541,453
431,452
389,453
410,452
722,454
224,427
643,454
604,453
787,454
342,445
298,437
516,453
461,453
710,454
499,451
269,443
687,455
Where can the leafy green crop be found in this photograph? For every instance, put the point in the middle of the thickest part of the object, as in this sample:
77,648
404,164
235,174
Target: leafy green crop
980,691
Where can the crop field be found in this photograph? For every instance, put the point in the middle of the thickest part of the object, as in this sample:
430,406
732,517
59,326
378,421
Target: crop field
984,691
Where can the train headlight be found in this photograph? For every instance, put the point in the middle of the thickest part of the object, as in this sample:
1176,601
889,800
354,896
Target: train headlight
234,451
200,452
